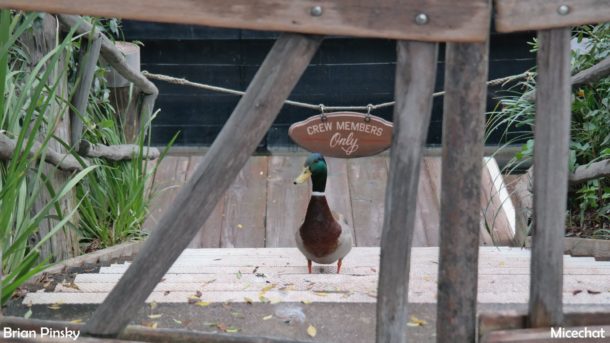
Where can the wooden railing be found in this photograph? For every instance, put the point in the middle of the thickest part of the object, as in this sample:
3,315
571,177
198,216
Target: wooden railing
465,26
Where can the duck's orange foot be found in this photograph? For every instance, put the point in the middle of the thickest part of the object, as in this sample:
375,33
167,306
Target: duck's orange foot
339,265
309,266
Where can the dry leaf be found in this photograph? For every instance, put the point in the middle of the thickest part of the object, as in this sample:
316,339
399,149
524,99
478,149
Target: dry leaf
312,331
177,321
268,317
155,316
54,306
202,303
502,263
28,314
275,301
416,322
263,299
76,321
153,305
221,326
239,226
238,274
268,288
593,292
249,301
231,329
306,302
321,294
577,291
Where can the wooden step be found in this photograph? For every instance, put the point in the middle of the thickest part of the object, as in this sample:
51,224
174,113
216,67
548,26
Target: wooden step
280,275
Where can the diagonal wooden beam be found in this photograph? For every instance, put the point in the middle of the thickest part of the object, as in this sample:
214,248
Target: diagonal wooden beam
238,139
463,136
552,135
415,78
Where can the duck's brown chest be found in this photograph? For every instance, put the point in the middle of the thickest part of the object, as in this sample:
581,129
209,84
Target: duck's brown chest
320,231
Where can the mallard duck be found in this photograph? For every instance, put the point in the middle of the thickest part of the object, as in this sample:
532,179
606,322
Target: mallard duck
324,237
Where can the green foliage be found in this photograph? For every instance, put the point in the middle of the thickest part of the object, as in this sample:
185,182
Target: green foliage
589,203
23,110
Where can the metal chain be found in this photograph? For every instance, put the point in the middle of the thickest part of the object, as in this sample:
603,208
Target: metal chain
321,107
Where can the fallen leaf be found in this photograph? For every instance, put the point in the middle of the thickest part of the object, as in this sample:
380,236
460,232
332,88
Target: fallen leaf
28,314
232,329
152,305
502,263
312,331
593,292
268,288
166,293
238,274
268,317
149,324
321,294
198,294
249,301
275,301
237,314
221,326
306,302
76,321
577,291
54,306
202,303
416,322
155,316
263,299
239,226
177,321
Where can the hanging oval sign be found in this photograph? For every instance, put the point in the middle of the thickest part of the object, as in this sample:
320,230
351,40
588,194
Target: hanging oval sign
343,134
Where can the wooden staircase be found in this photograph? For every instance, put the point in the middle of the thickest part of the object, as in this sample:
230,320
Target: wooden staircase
280,275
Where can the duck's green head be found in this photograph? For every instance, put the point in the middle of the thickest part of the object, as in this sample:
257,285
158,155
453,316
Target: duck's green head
315,167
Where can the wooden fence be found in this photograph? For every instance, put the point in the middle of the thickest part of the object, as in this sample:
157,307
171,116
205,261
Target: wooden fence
420,26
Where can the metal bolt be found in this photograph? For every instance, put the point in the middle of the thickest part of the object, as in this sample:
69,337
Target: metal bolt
316,11
421,19
563,9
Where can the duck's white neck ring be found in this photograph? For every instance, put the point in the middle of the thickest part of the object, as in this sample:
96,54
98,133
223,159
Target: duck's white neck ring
318,194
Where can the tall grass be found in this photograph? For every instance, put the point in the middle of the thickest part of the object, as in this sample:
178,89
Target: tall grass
25,107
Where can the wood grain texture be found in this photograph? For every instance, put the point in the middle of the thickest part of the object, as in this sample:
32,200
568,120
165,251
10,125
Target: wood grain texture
337,189
286,202
245,207
249,122
552,135
367,181
119,152
463,128
525,15
384,19
209,232
87,64
415,78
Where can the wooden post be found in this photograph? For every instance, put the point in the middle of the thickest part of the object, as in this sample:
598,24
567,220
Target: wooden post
552,136
463,128
86,70
415,78
197,199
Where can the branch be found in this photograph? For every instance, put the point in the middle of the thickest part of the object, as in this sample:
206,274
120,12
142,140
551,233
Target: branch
589,172
116,152
64,162
111,54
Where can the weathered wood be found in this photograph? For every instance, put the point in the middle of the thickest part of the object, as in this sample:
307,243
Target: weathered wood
552,135
64,162
589,172
139,333
208,235
367,182
245,207
119,152
593,74
524,15
415,78
247,125
383,19
463,127
496,205
286,203
87,64
337,189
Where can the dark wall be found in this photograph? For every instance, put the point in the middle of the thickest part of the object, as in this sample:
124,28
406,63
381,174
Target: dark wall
345,71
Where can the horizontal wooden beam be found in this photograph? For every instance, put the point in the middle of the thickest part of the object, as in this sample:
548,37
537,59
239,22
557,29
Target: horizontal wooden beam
439,20
525,15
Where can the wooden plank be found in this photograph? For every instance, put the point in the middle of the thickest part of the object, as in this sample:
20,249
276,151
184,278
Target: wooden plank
245,208
493,204
463,127
525,15
367,182
415,78
552,135
249,122
286,203
428,202
208,235
87,65
384,19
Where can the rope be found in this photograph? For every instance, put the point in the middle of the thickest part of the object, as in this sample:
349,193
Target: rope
368,108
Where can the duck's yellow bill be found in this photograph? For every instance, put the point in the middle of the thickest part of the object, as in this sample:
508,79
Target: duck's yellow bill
306,174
